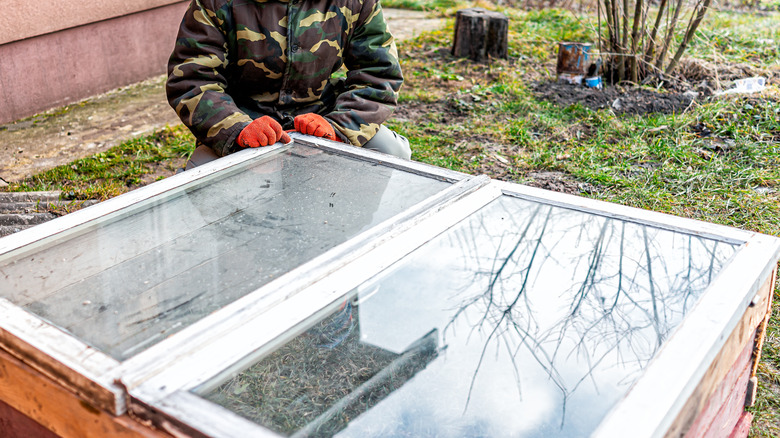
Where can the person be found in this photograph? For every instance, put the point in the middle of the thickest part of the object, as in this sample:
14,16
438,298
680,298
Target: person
243,72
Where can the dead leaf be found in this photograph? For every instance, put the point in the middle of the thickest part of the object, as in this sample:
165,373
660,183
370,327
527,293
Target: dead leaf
659,128
500,158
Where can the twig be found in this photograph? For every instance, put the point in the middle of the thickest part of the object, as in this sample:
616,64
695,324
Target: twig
688,36
651,40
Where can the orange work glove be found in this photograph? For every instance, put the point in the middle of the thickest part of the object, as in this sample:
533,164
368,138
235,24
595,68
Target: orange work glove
262,132
315,124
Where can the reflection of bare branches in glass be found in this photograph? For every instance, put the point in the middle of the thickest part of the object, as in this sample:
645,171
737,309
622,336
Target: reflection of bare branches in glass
630,285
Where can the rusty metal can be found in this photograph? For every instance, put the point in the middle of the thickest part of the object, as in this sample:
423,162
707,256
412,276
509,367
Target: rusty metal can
573,58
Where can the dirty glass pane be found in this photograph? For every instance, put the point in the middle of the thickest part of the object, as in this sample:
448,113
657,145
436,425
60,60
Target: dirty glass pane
126,281
524,320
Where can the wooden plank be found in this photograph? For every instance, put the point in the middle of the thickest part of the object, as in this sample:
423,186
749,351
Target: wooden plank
40,206
63,358
45,197
58,410
761,333
716,413
742,429
14,424
741,337
733,407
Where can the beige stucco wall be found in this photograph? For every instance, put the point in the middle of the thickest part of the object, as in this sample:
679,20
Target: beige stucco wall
65,66
27,18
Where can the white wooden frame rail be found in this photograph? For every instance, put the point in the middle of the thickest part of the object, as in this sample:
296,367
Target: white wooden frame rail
647,410
95,376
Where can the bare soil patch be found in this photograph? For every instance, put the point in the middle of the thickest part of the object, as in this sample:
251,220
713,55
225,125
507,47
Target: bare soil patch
558,182
695,79
621,100
443,111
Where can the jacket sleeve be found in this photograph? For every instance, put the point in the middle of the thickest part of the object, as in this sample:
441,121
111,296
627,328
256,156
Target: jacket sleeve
197,85
373,78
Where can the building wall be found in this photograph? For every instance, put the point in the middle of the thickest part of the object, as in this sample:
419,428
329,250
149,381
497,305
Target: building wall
26,19
52,55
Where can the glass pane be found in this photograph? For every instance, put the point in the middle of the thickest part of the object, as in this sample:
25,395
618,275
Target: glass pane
126,281
525,320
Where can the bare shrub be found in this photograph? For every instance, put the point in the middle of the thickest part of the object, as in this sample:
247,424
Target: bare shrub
644,39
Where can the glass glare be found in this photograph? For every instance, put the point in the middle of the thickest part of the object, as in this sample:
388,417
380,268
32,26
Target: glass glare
524,320
126,281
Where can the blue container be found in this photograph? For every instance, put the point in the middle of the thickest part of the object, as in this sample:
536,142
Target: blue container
593,82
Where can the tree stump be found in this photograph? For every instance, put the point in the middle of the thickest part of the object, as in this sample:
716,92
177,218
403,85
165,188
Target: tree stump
480,34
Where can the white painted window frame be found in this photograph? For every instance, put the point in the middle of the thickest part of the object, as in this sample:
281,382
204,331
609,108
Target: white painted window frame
647,410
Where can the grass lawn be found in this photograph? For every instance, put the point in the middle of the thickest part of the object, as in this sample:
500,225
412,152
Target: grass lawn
717,159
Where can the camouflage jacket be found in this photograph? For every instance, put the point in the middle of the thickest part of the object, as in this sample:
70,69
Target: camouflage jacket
237,60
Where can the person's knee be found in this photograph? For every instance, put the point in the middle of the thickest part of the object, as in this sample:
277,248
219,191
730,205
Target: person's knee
391,143
201,155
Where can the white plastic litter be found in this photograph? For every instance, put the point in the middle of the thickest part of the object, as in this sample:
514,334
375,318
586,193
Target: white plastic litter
570,78
747,85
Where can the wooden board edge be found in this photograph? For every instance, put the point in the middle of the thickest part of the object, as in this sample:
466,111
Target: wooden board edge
61,357
15,424
60,410
742,429
723,402
741,336
761,334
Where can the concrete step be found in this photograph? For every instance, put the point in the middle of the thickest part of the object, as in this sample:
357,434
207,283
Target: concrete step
23,207
42,207
5,230
25,218
6,197
21,210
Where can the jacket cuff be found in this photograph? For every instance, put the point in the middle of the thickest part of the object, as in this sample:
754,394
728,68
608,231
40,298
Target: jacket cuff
231,136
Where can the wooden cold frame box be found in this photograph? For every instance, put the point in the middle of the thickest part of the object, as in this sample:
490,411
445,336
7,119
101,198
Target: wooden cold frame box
585,313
